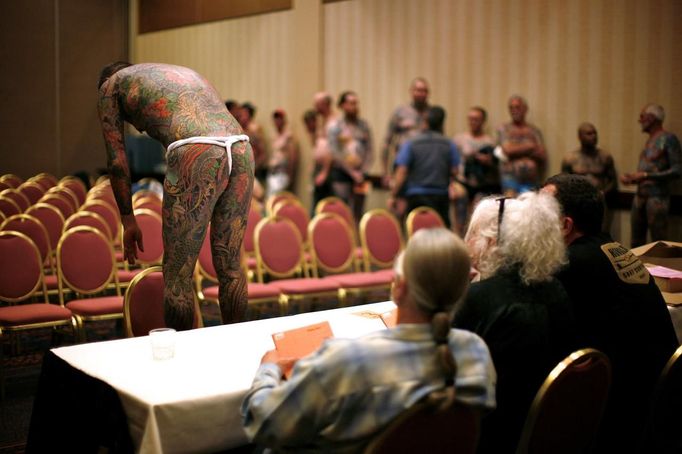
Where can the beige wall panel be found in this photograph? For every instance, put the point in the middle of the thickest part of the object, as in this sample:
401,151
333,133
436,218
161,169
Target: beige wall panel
574,60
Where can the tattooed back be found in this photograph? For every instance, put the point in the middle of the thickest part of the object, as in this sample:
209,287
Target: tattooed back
170,102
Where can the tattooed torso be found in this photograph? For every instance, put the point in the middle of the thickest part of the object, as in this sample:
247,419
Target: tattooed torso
171,103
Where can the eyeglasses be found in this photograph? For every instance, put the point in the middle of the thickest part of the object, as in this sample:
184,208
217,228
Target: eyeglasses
500,215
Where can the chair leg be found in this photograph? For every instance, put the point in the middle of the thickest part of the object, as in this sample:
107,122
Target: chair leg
283,304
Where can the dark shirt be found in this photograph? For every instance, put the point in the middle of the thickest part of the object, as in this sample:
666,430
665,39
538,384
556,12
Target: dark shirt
660,159
529,329
430,158
620,311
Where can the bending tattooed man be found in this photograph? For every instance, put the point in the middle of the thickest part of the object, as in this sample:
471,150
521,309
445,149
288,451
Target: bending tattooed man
209,177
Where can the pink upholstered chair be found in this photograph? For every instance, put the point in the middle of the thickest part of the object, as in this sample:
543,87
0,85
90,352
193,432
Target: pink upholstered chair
21,278
88,218
36,231
51,218
294,211
12,180
566,412
76,186
428,427
150,203
332,249
60,201
151,225
32,190
276,198
108,212
45,179
338,206
8,207
259,294
86,265
381,238
422,218
279,251
20,199
66,193
143,308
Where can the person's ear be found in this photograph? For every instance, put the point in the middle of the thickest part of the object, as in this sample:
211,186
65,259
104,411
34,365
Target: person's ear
566,225
398,289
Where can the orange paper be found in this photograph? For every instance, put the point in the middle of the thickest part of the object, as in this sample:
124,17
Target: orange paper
300,342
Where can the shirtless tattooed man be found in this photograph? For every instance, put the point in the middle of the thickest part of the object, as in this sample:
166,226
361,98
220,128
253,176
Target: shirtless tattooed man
209,177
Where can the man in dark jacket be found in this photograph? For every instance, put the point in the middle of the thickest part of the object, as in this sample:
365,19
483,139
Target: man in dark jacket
618,310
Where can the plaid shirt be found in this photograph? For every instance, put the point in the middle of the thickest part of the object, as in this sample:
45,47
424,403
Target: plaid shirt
339,397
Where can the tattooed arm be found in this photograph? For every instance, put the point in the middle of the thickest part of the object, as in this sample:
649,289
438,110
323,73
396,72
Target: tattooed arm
119,172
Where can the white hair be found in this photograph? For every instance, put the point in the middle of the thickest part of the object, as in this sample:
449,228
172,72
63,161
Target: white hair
655,110
530,237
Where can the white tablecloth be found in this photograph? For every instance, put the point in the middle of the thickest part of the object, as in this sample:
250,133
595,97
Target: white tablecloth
191,403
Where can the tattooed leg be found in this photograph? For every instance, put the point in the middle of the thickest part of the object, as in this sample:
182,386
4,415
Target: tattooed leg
227,232
193,181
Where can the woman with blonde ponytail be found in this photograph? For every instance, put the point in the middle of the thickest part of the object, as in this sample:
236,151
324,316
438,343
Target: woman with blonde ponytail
341,396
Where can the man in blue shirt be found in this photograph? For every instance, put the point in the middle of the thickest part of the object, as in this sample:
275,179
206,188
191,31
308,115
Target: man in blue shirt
427,164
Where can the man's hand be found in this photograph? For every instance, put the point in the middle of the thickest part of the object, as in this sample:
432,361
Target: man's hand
284,364
633,178
132,238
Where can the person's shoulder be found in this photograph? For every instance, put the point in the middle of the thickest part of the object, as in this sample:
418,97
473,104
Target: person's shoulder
671,138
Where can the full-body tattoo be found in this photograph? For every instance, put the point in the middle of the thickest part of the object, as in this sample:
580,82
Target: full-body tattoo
172,103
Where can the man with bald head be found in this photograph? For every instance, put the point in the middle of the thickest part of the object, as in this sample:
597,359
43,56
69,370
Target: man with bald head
523,150
593,163
659,164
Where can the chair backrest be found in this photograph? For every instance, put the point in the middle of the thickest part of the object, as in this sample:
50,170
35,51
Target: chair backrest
332,243
21,268
12,180
335,205
279,248
566,412
4,186
20,199
45,179
103,192
108,213
32,190
76,186
151,203
52,219
151,225
276,198
422,218
381,238
85,261
60,201
254,218
667,437
87,218
293,210
8,207
143,307
32,228
430,428
144,194
66,193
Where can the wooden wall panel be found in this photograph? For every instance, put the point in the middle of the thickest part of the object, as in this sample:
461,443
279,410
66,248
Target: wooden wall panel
156,15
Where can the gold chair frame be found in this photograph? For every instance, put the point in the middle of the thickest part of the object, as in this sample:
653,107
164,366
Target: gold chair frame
409,222
368,258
